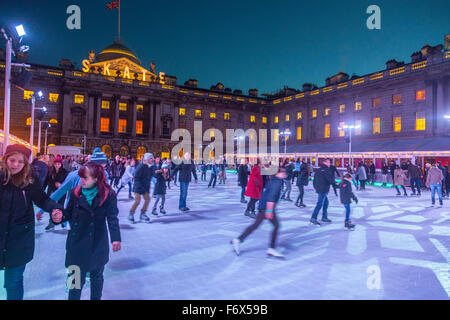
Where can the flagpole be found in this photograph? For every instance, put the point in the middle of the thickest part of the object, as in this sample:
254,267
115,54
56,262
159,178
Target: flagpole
119,20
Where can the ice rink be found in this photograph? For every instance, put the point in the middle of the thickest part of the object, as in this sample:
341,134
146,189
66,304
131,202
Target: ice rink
399,250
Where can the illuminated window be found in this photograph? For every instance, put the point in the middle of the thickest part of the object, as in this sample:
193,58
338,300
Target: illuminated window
299,115
212,115
327,130
139,127
275,120
198,113
182,112
358,106
140,152
104,124
397,124
359,130
53,97
420,121
396,99
376,102
139,108
420,95
287,130
27,94
28,122
122,125
376,126
299,133
252,119
327,111
226,116
275,135
53,121
79,98
211,133
287,117
122,106
105,104
314,113
341,132
342,108
106,149
264,120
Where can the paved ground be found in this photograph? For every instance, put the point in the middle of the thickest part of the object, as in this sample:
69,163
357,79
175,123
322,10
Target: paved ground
398,241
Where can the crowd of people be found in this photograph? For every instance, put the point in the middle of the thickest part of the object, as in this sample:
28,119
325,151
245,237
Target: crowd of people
82,191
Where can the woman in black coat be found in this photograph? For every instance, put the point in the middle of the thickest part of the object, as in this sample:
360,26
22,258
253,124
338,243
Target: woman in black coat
302,181
91,206
243,178
19,190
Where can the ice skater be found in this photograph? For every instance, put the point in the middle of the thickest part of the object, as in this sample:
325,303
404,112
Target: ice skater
162,176
346,195
266,210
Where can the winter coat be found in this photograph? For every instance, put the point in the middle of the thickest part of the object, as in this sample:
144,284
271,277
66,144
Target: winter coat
243,175
87,244
255,184
400,177
41,170
128,175
334,171
17,221
142,178
303,179
346,193
271,193
115,169
53,177
323,179
289,171
361,173
414,171
434,176
186,169
372,169
161,184
384,169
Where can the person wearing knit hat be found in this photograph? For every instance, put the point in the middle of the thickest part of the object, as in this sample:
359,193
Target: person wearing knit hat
20,190
99,157
162,176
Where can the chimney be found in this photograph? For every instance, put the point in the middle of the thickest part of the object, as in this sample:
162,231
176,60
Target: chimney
237,91
447,42
66,64
307,87
253,92
191,83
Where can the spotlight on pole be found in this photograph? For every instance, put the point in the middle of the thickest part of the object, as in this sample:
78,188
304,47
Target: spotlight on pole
447,116
40,94
20,30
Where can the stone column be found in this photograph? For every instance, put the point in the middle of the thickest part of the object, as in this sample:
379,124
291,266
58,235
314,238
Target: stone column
150,119
116,116
133,117
98,109
68,99
90,115
440,107
158,120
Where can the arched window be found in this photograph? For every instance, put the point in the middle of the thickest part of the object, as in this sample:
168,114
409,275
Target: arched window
140,152
124,151
53,121
107,150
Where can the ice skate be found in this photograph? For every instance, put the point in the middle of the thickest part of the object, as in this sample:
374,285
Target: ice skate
144,217
235,243
271,252
326,220
162,211
154,212
131,217
315,222
349,225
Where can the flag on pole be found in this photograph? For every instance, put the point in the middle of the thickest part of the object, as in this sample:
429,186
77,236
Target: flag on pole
113,5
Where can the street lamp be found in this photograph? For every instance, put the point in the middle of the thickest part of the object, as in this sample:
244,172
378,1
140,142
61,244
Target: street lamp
47,126
9,52
39,95
40,117
285,135
351,127
447,116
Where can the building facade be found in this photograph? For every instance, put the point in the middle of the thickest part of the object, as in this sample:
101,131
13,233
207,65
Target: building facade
117,104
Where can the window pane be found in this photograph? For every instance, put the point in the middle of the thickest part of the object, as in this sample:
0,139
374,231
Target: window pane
299,133
358,106
327,130
264,119
139,108
104,124
420,121
122,125
420,95
376,102
198,113
358,130
226,116
79,98
252,118
53,97
376,125
397,98
314,113
122,106
212,115
139,127
27,94
342,108
182,111
341,132
105,104
397,124
299,115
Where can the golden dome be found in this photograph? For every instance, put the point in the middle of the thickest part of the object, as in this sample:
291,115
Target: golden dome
115,51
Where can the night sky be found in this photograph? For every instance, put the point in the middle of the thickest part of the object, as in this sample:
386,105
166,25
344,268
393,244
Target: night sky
242,43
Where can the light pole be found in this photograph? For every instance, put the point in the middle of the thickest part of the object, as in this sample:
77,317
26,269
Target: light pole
350,160
45,139
7,103
40,95
285,135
